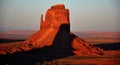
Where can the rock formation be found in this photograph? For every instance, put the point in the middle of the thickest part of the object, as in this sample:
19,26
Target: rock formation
57,24
55,33
55,17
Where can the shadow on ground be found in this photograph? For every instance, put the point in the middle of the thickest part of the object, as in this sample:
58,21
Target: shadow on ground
109,46
10,40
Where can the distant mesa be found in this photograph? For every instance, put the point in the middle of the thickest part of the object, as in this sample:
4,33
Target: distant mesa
55,33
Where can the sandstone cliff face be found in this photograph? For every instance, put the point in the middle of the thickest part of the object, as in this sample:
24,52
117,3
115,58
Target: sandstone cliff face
55,17
55,34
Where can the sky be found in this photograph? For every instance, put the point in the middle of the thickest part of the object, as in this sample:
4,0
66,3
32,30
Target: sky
85,15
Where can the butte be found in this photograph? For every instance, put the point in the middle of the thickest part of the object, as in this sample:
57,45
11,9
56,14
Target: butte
55,36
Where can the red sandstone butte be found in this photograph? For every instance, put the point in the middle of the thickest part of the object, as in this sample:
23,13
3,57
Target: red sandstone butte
54,32
55,17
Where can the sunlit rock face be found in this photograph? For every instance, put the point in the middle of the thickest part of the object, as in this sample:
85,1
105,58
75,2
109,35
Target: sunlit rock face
55,17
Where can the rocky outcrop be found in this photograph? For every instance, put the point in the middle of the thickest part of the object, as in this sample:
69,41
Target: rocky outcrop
55,17
56,30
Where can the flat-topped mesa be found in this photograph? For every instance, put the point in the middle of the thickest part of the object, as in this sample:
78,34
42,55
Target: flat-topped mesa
58,6
55,16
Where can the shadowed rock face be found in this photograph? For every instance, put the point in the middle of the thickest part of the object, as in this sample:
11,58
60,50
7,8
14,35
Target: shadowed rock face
55,36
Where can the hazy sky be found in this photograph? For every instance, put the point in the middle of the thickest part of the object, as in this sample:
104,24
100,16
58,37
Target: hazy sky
85,15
